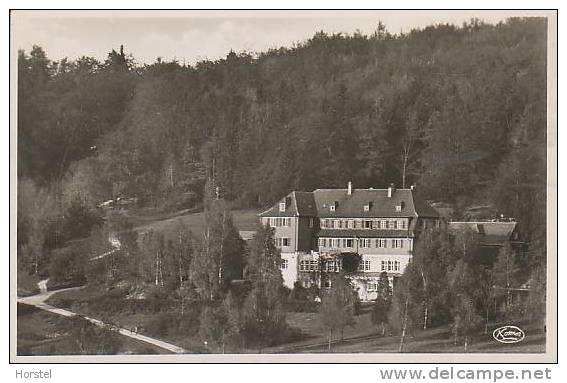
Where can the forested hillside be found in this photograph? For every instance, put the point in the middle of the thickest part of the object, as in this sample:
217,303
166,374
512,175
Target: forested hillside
458,111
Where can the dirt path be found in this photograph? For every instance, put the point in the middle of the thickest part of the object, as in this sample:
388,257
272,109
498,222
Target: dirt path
38,301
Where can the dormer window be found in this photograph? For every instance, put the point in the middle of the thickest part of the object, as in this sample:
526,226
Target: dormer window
334,206
282,207
400,206
368,206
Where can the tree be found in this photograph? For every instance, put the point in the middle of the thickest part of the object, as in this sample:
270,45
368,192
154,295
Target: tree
487,292
402,313
505,271
338,306
219,259
220,325
66,266
113,247
79,219
37,212
382,303
264,313
462,281
536,304
432,257
410,142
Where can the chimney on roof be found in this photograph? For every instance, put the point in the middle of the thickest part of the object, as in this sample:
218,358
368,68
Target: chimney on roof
391,190
349,189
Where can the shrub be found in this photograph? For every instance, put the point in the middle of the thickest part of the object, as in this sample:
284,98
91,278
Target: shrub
66,268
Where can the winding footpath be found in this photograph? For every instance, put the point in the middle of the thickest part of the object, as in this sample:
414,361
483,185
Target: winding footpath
38,301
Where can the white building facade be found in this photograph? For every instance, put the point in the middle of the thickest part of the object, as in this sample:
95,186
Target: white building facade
313,230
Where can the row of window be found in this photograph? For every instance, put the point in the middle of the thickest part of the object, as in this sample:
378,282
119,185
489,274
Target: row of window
367,243
393,224
279,222
334,266
390,266
284,221
308,265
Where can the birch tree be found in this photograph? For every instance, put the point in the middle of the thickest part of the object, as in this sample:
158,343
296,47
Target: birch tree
338,306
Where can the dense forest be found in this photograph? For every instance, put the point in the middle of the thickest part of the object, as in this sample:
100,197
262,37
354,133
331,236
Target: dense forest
458,111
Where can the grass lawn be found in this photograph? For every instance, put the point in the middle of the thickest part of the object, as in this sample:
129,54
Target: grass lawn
363,337
80,301
40,333
243,220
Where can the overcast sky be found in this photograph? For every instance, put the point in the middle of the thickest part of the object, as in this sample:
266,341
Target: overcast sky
192,36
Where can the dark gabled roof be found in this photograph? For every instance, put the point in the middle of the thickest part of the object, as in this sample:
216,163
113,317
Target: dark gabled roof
305,203
382,205
318,202
297,203
491,233
363,233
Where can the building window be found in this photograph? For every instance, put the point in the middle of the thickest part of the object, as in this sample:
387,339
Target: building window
279,222
384,224
311,222
395,223
381,243
331,266
312,265
282,207
390,266
284,264
350,224
332,208
281,242
367,224
364,242
366,208
372,286
349,243
364,265
402,224
308,265
398,208
397,243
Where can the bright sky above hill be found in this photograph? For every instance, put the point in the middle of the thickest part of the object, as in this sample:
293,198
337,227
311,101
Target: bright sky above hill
192,36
